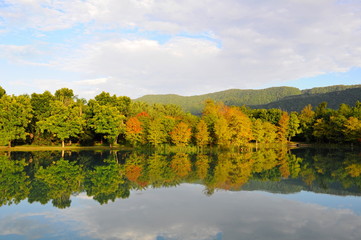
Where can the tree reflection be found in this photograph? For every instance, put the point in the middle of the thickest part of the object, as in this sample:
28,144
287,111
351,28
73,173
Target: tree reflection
13,181
62,178
106,182
41,178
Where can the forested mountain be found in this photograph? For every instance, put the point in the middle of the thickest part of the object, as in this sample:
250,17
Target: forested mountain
333,99
286,98
236,97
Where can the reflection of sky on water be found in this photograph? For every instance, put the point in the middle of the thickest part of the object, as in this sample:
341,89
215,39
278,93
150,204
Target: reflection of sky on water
331,201
186,213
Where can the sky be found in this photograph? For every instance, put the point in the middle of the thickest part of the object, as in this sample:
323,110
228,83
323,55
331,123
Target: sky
138,47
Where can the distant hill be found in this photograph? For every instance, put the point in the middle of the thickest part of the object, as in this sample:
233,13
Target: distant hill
286,98
237,97
333,98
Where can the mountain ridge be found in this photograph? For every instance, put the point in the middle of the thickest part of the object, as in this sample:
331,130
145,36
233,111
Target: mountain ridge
286,98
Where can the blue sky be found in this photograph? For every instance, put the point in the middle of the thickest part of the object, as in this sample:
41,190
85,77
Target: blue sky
138,47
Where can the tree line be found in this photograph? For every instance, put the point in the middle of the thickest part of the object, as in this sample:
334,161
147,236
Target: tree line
63,118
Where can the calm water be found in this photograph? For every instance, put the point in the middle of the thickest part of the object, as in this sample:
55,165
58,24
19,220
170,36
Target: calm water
268,194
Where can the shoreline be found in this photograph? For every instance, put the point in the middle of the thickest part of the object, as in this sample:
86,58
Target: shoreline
291,145
59,148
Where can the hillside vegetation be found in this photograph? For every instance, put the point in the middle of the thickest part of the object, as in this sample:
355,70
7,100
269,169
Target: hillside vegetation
236,97
285,98
334,99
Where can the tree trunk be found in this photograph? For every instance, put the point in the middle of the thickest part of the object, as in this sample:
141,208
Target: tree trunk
10,144
62,143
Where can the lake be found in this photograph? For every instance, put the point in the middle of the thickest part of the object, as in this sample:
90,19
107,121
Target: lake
266,194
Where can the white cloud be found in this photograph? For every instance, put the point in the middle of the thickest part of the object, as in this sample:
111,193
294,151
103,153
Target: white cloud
191,47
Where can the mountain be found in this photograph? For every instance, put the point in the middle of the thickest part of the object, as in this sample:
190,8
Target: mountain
286,98
333,99
237,97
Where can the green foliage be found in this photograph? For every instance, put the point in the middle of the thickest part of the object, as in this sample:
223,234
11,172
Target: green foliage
122,104
105,183
334,98
107,120
2,92
65,121
156,133
46,119
64,95
62,178
15,116
235,97
14,184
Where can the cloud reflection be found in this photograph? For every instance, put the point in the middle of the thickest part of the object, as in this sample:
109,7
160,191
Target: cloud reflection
186,213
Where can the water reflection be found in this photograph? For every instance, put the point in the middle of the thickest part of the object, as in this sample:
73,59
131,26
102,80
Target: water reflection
185,213
43,177
130,195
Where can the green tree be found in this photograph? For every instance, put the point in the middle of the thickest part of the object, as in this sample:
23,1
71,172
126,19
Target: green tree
15,116
41,105
293,126
122,104
65,121
65,95
307,119
2,92
156,133
107,121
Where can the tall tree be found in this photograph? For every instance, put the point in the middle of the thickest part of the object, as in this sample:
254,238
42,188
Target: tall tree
282,129
353,129
65,95
133,131
240,126
307,119
181,134
65,121
202,134
222,133
121,103
15,116
2,92
155,132
107,121
293,126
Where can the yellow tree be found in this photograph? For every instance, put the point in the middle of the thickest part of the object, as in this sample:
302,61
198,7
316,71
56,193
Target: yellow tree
353,129
181,134
202,135
258,131
270,132
240,126
282,129
221,131
212,112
